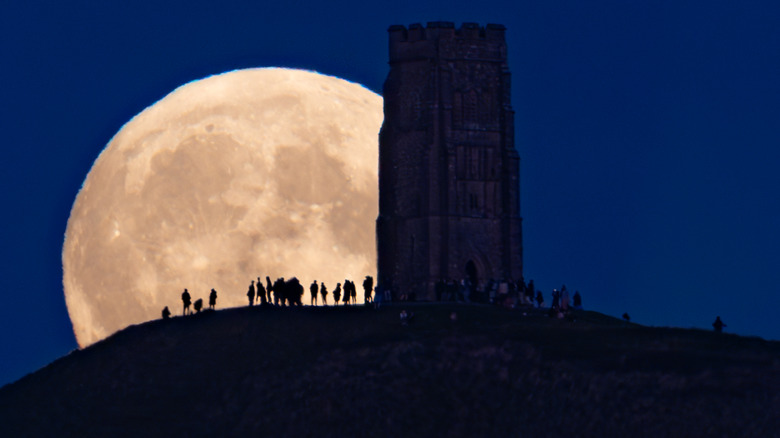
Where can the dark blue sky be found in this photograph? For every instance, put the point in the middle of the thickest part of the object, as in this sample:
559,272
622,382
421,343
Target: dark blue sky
649,135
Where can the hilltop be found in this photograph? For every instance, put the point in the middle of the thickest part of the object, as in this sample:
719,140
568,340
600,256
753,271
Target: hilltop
355,371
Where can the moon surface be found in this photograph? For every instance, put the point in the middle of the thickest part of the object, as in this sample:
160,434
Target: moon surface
251,173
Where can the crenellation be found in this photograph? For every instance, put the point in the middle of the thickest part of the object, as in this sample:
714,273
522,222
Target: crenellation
416,33
471,31
495,32
445,30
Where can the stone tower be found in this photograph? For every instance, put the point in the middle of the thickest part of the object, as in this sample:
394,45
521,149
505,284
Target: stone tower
449,183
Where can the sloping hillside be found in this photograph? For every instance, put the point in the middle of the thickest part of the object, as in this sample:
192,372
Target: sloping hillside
357,371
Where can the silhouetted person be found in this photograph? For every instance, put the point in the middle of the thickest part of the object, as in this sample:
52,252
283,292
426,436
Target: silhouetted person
539,299
464,290
626,317
280,292
166,313
439,289
378,298
368,287
294,292
313,290
577,300
347,292
324,294
337,294
268,288
530,290
452,290
187,300
353,291
556,298
718,324
458,291
520,289
212,299
198,305
261,292
251,293
502,292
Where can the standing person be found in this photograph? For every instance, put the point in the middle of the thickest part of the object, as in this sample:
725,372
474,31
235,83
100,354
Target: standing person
718,324
212,299
261,292
577,300
378,296
347,295
251,294
294,292
368,287
530,292
521,287
269,288
539,299
465,291
280,292
313,289
337,294
353,291
187,300
324,294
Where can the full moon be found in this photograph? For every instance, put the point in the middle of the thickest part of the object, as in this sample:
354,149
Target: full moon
247,174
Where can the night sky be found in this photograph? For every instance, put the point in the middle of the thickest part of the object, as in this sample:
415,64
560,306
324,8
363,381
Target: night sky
649,135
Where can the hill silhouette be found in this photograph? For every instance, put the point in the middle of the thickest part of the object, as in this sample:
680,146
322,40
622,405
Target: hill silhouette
355,371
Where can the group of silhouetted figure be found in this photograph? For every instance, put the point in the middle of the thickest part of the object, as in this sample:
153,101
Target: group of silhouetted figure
186,300
505,293
562,304
290,292
280,292
283,293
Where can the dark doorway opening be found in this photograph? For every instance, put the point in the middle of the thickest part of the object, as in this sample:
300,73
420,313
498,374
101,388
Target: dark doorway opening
472,277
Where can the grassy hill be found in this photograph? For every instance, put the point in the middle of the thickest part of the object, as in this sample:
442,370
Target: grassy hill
356,371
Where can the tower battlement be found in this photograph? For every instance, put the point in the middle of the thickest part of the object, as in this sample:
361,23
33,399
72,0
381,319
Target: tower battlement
441,39
445,29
